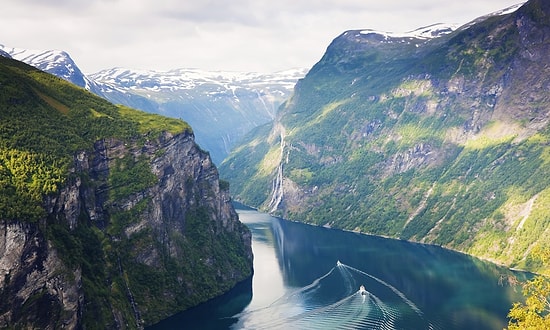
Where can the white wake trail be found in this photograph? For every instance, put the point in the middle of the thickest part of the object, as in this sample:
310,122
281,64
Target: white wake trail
334,301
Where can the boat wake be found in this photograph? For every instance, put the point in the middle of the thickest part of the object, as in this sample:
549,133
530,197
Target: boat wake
343,298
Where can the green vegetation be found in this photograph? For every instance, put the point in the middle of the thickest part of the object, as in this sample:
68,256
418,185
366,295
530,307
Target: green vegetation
44,123
534,314
243,172
24,178
435,144
152,124
128,176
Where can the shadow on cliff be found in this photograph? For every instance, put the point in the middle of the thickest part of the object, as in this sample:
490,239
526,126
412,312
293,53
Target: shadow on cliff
215,314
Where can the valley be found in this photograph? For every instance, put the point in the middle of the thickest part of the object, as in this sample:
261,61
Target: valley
118,188
440,140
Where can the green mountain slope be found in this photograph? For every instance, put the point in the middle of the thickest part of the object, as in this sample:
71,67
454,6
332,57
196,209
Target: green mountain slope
443,141
44,122
111,217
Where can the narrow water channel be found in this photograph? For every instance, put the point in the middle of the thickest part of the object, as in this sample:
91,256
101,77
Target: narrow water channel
308,277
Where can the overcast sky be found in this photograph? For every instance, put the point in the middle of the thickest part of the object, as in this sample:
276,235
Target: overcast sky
234,35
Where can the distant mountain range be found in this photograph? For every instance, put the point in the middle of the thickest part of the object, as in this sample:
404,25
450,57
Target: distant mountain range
221,106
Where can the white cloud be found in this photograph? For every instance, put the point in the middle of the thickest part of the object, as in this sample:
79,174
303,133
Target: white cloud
251,35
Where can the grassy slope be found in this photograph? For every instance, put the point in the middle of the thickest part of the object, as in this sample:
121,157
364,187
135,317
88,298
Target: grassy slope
44,121
413,146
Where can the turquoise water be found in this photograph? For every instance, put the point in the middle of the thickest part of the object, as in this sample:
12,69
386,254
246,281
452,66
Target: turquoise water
308,277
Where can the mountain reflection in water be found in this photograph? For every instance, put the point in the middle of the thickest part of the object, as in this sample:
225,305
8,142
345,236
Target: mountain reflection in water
308,277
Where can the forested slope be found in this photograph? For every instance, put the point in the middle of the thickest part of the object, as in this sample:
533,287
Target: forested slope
442,140
111,217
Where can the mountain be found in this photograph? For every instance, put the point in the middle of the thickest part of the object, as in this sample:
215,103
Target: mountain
220,106
442,140
111,217
56,62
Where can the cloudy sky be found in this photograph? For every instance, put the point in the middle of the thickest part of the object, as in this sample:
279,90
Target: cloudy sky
236,35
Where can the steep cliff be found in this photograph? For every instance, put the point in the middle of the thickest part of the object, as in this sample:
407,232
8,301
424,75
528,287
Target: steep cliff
118,221
441,140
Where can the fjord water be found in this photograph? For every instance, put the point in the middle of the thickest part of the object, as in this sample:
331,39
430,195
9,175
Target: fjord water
308,277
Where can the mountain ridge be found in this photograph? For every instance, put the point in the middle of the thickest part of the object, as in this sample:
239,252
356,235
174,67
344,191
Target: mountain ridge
440,141
220,105
111,217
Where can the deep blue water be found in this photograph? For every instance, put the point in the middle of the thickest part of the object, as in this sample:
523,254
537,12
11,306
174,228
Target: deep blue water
308,277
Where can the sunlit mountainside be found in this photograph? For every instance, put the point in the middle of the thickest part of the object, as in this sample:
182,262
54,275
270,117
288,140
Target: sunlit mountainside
442,140
102,223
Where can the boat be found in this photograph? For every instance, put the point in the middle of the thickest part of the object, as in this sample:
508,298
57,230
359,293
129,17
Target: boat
362,290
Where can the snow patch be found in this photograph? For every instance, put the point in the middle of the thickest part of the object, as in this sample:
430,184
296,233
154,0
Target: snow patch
426,32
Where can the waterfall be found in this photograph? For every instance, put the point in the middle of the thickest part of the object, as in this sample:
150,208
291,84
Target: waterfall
277,185
130,296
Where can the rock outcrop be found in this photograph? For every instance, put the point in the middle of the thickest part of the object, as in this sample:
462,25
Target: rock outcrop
124,257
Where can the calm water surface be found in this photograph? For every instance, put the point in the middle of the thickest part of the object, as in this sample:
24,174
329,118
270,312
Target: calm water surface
308,277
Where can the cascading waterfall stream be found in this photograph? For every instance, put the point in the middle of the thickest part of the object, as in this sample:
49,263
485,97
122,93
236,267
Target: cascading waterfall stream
277,187
137,314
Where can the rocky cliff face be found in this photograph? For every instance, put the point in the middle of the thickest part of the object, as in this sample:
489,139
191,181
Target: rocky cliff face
439,140
38,290
114,257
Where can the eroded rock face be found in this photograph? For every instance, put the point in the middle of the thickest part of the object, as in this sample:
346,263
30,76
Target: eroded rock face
46,269
37,289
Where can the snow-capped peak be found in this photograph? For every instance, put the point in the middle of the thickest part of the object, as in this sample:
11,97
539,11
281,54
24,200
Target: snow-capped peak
501,12
42,59
186,79
506,11
426,32
438,29
56,62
